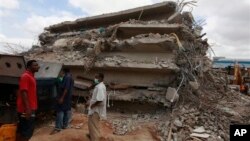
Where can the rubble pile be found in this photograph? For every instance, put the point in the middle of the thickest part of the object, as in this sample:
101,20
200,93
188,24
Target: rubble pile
156,53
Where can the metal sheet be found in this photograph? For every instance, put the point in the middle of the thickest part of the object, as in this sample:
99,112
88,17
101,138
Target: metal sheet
11,65
48,70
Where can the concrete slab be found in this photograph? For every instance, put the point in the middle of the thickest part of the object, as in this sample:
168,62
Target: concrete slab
137,66
128,95
125,31
146,57
147,44
175,18
132,77
151,12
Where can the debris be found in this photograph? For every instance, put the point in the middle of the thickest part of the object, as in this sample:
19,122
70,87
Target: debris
200,129
178,123
148,61
80,108
172,94
175,18
194,85
170,132
204,135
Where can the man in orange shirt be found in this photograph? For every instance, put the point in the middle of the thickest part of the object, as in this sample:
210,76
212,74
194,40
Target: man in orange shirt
27,102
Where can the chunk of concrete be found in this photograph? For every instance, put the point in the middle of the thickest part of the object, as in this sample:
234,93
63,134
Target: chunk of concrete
204,135
188,17
172,94
61,43
175,18
178,123
126,31
164,9
199,130
194,85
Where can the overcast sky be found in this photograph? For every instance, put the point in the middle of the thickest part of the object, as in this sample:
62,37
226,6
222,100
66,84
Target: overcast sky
227,21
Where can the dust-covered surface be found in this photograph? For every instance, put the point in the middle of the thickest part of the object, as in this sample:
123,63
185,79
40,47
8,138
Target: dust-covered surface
79,129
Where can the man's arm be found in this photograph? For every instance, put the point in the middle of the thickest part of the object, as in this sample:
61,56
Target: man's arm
26,103
24,82
65,91
66,88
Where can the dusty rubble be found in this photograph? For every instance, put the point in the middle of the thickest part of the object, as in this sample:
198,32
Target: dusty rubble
143,56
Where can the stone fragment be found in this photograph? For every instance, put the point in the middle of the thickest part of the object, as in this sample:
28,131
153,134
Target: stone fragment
177,123
228,111
175,18
194,85
60,43
135,116
172,94
204,135
188,17
200,129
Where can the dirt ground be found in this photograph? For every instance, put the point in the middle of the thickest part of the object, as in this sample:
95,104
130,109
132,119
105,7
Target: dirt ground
79,129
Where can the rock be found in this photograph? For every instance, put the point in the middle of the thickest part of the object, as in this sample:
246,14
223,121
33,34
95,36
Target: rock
175,137
90,51
194,85
174,129
215,139
156,117
61,43
175,18
188,17
204,135
172,94
190,122
228,111
177,123
209,131
80,108
135,116
79,126
200,129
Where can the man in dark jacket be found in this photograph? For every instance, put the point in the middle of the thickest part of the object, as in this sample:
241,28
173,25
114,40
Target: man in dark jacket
63,107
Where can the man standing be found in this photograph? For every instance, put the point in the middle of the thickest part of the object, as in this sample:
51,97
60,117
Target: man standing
97,108
27,102
63,107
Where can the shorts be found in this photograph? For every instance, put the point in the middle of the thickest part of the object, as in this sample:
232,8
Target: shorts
26,126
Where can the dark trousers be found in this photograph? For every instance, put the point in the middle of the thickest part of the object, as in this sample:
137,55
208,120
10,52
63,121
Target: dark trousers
62,119
26,126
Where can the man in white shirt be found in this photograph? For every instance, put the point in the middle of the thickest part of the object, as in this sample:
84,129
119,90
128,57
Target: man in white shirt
97,108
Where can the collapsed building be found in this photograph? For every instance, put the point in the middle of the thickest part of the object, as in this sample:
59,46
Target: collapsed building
136,49
153,54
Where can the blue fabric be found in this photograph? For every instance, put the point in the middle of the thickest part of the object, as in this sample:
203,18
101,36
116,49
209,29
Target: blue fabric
62,119
67,83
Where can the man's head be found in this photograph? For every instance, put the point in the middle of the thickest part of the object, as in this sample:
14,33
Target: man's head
99,77
32,66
